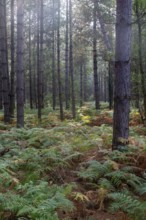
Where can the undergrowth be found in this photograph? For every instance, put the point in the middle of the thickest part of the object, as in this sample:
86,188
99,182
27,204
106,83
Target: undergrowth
56,168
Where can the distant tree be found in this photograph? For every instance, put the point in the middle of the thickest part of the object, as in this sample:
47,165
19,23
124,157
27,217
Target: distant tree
96,88
30,63
85,82
71,66
53,59
139,9
12,83
58,65
4,62
20,70
67,96
81,84
40,57
122,74
109,51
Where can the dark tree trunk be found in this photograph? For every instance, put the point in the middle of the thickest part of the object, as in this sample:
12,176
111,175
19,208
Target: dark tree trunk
4,62
6,34
96,88
38,62
30,65
67,98
71,61
110,86
138,14
81,84
35,76
85,83
40,57
20,70
122,74
53,62
12,91
58,65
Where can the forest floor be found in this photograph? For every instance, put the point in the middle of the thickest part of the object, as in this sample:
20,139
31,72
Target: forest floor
67,170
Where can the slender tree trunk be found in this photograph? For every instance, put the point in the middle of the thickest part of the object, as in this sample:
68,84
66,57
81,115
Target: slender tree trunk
96,88
122,74
20,70
71,61
67,98
108,45
41,54
81,84
105,35
85,83
40,57
6,34
110,86
58,65
4,62
30,64
35,75
141,57
53,62
12,91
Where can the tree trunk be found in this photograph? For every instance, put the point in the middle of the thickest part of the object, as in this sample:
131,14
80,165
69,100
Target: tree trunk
40,57
58,65
110,85
30,65
122,74
140,46
85,83
81,84
96,88
20,70
53,61
4,62
71,61
67,98
108,45
12,91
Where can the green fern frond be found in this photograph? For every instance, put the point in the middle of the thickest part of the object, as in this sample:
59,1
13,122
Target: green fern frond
117,177
129,204
95,170
106,184
141,189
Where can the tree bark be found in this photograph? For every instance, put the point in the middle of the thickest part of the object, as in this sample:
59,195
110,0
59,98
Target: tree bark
96,88
140,46
122,74
110,83
67,98
20,70
30,64
58,65
81,85
40,57
4,62
71,61
85,83
53,61
12,91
